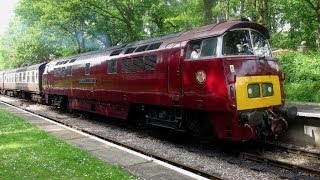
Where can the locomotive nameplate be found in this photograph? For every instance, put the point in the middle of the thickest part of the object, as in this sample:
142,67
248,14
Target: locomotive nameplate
201,76
88,80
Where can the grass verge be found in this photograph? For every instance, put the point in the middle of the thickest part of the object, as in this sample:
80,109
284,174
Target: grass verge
27,152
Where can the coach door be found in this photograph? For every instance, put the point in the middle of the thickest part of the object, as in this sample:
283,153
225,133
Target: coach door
175,74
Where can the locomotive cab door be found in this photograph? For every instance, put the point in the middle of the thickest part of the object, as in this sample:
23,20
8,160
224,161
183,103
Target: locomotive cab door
175,74
203,74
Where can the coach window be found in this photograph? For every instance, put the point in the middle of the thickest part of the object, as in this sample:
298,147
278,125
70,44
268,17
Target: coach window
28,77
32,76
87,69
24,77
36,77
112,66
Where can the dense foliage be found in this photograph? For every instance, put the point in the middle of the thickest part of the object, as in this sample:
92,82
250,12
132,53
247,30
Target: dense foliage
42,28
302,76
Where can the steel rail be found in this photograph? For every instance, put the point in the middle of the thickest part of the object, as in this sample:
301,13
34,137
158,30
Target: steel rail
281,164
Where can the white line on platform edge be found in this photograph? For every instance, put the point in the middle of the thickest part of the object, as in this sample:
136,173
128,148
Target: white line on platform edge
175,168
305,114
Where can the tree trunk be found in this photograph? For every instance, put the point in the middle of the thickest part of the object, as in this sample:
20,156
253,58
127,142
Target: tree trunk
241,8
264,12
318,20
76,36
228,10
207,7
316,8
254,11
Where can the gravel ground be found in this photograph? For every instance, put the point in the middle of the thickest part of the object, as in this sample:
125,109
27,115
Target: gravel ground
204,156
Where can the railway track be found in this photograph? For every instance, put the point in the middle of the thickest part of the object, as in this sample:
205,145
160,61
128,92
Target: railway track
169,161
283,164
295,150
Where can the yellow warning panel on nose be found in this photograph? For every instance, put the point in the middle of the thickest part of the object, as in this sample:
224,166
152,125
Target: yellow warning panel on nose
244,90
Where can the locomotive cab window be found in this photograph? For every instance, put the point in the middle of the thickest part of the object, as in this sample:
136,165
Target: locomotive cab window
202,48
245,42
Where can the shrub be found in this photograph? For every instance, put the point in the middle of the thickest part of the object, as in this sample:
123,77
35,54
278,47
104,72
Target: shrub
302,75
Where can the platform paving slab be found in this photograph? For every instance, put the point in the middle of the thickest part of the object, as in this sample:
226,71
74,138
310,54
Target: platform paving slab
67,134
118,157
50,128
38,123
88,144
152,170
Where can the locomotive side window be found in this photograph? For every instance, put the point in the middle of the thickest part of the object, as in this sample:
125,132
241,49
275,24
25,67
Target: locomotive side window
112,66
72,60
69,71
202,48
208,47
141,48
130,50
154,46
87,69
117,52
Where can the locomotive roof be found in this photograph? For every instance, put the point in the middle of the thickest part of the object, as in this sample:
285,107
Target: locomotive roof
163,41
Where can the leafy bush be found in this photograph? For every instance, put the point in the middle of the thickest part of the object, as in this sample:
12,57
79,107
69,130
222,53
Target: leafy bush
302,75
303,91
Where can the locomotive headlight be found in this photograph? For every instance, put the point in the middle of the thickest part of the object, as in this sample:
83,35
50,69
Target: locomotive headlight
267,89
253,90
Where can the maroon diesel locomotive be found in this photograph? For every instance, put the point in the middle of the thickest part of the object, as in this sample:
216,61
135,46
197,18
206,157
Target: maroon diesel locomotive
218,80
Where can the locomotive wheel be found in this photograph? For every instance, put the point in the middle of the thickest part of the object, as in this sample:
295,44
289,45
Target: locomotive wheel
197,124
138,116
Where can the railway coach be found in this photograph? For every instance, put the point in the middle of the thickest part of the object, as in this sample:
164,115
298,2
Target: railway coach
1,82
25,82
216,80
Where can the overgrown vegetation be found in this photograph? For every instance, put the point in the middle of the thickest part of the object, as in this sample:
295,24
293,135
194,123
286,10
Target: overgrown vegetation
302,72
29,153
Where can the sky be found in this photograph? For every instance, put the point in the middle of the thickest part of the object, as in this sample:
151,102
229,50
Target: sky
6,13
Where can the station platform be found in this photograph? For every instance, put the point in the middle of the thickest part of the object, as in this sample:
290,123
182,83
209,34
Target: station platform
141,166
307,109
